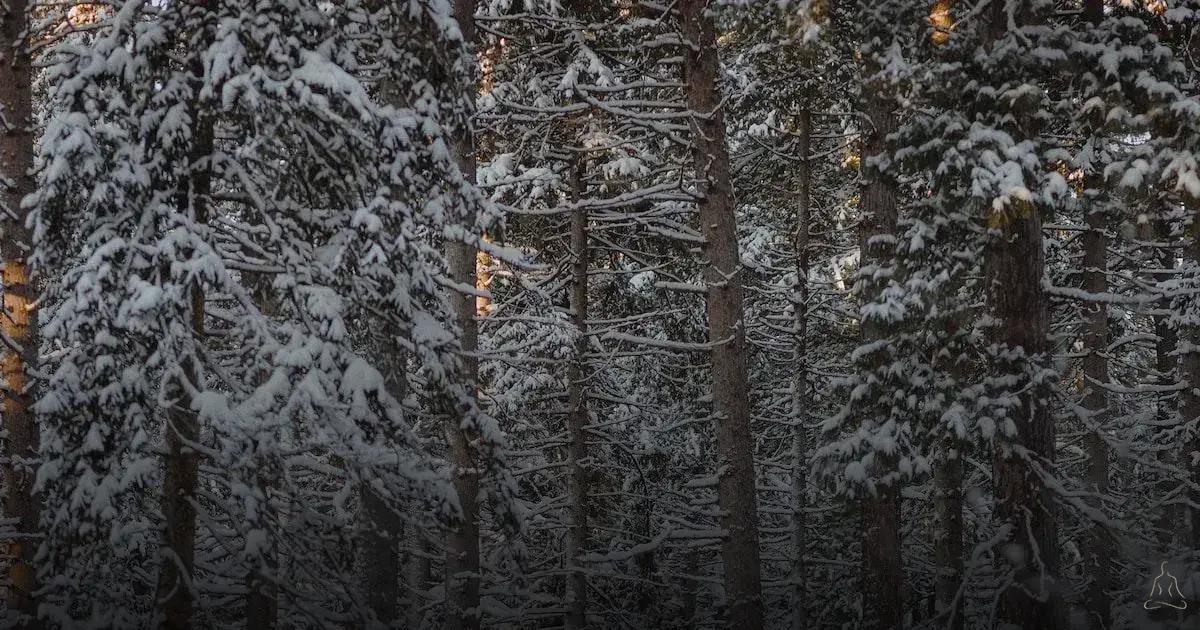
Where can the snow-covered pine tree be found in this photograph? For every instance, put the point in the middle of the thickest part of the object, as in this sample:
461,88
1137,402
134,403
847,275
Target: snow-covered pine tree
312,182
990,95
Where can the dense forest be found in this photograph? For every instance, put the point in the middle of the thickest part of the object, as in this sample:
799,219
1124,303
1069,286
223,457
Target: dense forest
600,314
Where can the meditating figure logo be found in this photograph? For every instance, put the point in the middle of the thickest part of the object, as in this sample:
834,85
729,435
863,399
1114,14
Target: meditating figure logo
1164,592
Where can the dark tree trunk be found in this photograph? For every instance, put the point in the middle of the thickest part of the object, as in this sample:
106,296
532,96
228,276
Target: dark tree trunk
462,546
175,588
1189,398
800,395
19,320
731,405
883,574
949,537
1097,545
1166,363
417,569
1017,302
383,532
262,602
1024,505
382,527
577,411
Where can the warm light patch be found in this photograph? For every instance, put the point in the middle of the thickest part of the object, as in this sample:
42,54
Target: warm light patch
84,14
488,59
942,22
1157,7
15,324
483,282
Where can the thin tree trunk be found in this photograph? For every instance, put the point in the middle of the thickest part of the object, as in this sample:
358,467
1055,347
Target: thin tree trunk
949,540
883,575
1097,550
1165,363
688,605
731,404
577,411
1189,365
800,397
1097,546
18,322
419,577
462,546
462,553
175,588
382,528
262,602
382,534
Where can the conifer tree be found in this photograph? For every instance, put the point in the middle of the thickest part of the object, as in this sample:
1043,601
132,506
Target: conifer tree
20,331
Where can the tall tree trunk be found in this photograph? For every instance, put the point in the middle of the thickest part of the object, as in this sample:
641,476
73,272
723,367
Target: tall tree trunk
948,542
1189,366
727,330
1015,266
800,397
462,553
175,588
1017,303
462,550
577,410
687,613
262,602
382,533
948,475
382,528
1165,363
883,576
1097,545
18,322
418,577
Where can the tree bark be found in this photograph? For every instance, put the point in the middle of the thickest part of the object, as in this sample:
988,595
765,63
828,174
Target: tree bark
1189,366
418,577
731,405
381,528
1015,264
462,551
1165,363
1097,545
19,321
800,396
883,575
382,534
1015,267
182,462
949,541
262,602
577,411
